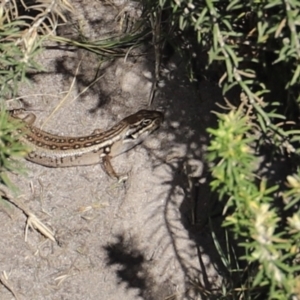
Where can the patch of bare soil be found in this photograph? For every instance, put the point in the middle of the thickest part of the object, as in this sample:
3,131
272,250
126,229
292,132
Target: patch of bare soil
132,240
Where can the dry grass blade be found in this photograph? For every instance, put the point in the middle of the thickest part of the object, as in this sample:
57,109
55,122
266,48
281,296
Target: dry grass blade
68,93
86,88
42,13
61,279
60,104
116,46
4,281
35,223
32,221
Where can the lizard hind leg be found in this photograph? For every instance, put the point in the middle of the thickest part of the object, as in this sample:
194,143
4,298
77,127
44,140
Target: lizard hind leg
108,168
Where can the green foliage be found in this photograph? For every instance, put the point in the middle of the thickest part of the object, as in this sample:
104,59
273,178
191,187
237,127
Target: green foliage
255,48
250,211
15,59
249,42
21,39
10,149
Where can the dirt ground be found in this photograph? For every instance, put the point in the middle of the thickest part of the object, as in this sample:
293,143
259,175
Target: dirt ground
133,240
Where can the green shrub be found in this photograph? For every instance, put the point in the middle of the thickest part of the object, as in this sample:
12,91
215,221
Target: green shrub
255,48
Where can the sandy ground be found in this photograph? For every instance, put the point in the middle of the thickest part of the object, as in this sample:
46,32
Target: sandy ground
133,240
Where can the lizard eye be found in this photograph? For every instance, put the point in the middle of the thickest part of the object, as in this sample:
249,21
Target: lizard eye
146,122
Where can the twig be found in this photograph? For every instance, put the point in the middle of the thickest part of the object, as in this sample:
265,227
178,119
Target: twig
32,220
4,281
